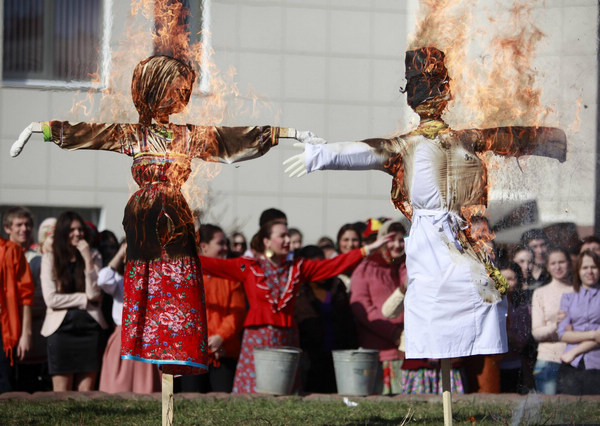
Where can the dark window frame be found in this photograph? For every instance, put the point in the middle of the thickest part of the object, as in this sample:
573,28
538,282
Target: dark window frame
48,77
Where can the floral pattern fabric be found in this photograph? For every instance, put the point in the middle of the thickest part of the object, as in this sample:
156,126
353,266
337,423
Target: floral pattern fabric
276,279
163,317
429,381
164,314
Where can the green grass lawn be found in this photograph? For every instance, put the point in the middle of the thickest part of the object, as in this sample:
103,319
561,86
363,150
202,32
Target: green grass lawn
294,411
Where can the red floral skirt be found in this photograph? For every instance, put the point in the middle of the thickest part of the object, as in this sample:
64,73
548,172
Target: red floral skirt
164,315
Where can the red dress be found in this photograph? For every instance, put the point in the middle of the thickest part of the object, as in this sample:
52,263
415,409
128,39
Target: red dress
271,292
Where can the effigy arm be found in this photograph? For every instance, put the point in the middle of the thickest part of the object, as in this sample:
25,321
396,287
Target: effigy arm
370,154
82,135
515,141
234,144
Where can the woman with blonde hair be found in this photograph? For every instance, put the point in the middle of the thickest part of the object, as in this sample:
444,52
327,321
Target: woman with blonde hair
545,317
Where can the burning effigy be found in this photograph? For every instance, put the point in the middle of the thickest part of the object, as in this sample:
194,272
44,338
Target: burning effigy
455,304
164,317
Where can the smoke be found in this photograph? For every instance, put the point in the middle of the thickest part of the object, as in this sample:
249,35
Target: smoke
528,411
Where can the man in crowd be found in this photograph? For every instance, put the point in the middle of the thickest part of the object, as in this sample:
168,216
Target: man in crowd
16,298
31,370
18,225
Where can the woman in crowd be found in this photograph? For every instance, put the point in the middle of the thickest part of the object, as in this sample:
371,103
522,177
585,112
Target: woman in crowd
523,256
580,329
238,244
373,281
513,369
225,312
73,321
271,282
545,317
122,375
348,238
325,323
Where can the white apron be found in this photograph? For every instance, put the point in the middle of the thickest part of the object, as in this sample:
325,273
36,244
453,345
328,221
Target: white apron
445,312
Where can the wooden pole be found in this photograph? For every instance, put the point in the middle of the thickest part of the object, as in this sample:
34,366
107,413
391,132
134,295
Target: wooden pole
167,399
447,391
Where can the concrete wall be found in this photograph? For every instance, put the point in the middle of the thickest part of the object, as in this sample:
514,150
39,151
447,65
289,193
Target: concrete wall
331,66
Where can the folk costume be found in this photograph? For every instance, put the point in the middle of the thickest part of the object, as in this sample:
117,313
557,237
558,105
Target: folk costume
454,303
271,293
164,316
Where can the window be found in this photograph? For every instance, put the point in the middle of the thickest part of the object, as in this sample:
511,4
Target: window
191,15
52,40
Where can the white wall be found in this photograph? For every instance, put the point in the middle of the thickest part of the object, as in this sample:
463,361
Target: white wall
334,67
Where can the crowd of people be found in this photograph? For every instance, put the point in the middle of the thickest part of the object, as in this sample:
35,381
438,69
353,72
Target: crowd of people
61,309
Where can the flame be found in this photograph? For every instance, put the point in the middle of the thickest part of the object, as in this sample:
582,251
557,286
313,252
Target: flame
161,27
490,53
499,86
574,126
478,231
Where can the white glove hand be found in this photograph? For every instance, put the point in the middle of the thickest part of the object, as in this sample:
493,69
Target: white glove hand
297,163
17,147
306,136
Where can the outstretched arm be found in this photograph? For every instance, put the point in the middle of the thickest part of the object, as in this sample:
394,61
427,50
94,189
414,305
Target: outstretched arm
235,144
370,154
99,136
516,141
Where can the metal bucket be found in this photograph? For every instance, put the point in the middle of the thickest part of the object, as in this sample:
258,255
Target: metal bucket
355,371
276,369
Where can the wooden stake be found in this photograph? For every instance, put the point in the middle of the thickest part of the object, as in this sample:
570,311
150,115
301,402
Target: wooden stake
167,399
447,391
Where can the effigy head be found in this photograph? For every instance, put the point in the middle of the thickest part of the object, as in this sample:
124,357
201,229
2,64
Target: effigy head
427,78
161,86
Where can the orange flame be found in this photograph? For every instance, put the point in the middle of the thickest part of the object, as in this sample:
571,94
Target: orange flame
498,87
478,231
490,55
161,27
